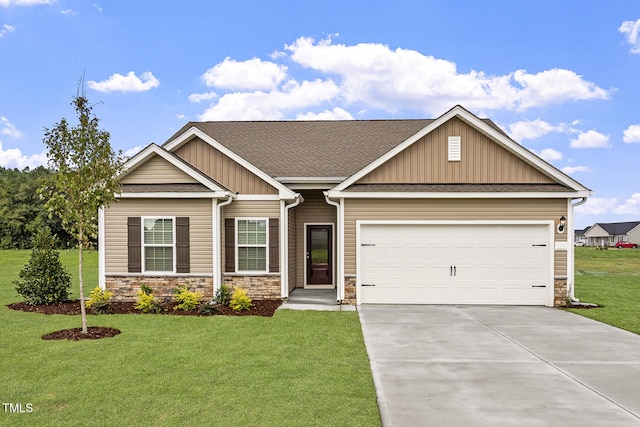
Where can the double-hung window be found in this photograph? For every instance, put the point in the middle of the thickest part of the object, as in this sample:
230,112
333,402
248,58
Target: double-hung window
252,244
158,242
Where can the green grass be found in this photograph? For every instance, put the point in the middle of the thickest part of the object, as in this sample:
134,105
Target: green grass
296,368
610,279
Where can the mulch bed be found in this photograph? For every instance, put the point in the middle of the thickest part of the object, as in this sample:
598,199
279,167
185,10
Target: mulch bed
264,308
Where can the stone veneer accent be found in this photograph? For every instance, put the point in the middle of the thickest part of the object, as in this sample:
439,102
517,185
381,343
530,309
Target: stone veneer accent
349,291
257,287
125,288
560,292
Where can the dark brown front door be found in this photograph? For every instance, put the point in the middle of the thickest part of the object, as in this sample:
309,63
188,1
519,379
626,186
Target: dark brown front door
319,255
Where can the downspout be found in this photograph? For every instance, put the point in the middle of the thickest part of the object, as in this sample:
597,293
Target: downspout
284,245
217,242
571,257
339,247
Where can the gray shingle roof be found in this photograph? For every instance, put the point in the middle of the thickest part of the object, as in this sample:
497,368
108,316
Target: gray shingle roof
618,228
458,188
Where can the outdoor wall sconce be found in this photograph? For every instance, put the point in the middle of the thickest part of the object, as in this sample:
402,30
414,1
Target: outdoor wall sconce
561,225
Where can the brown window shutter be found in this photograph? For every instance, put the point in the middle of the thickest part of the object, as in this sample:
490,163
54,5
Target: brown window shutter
274,245
182,245
230,245
134,244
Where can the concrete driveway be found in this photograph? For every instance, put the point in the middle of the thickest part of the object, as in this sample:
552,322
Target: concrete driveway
479,365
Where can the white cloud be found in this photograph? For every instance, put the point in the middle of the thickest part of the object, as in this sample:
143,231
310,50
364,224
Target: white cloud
199,97
549,154
6,29
253,74
129,83
597,206
335,114
69,12
13,158
133,151
590,139
630,206
9,3
631,29
529,129
270,105
8,128
573,169
631,134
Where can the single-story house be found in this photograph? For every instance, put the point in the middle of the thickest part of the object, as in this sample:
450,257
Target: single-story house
608,234
579,239
427,211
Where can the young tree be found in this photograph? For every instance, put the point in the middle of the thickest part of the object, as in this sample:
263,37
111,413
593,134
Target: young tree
85,177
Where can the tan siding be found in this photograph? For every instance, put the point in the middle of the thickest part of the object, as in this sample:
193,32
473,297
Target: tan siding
314,210
200,229
157,170
445,209
223,169
292,249
560,264
247,208
483,161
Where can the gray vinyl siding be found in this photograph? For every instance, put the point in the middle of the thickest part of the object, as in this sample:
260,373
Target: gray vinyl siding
450,209
200,229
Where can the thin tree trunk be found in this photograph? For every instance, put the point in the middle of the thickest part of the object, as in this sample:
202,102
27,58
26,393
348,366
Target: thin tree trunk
82,307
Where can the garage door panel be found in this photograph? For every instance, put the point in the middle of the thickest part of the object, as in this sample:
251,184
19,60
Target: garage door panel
455,264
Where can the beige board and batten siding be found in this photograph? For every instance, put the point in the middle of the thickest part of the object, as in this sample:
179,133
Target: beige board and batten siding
200,216
157,170
247,209
482,161
314,210
223,169
451,210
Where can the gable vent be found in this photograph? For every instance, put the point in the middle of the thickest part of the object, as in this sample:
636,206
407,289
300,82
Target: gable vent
454,148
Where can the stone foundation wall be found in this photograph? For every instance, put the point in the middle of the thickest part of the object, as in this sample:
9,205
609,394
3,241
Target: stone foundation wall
349,291
125,288
560,292
257,287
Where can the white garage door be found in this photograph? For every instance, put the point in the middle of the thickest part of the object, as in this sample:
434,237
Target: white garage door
455,264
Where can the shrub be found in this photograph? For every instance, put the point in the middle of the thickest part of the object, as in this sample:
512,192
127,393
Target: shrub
44,280
223,295
99,300
146,301
240,300
208,308
186,299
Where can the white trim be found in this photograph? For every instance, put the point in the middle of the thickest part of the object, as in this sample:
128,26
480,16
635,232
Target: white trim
102,256
550,234
143,245
483,127
331,285
284,244
454,149
217,243
334,194
175,195
283,191
311,179
265,245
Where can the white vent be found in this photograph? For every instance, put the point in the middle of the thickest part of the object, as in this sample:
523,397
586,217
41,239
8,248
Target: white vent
454,148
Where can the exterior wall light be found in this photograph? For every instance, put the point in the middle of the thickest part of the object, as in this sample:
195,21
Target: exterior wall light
562,224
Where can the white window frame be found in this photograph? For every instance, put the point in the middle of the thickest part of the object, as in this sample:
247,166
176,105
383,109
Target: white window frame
265,245
155,245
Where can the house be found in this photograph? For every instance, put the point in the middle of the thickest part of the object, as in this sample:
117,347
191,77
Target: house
579,238
438,211
608,234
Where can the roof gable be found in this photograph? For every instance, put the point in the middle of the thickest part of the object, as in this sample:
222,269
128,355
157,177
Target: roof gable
618,228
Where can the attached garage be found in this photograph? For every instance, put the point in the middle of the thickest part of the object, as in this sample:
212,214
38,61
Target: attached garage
455,263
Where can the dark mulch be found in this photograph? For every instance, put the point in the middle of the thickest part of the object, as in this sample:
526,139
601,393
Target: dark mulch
75,334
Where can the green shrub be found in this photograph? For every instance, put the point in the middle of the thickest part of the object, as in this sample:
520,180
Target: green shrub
146,301
209,308
99,300
240,300
186,299
44,280
223,295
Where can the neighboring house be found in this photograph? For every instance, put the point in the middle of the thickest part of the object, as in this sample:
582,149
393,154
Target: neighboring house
579,239
439,211
608,234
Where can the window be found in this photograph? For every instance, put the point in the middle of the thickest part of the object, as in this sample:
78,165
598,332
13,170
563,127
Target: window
454,148
158,244
252,244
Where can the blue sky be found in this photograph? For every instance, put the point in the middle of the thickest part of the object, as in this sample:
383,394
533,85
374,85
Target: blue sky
562,78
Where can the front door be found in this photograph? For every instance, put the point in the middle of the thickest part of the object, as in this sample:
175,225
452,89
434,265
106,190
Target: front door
319,254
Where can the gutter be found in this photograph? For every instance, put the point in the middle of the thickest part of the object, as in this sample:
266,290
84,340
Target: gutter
339,247
571,259
217,242
284,244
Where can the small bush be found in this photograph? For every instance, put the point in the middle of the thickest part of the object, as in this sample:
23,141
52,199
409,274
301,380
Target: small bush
240,300
223,295
186,299
99,300
209,308
44,280
146,301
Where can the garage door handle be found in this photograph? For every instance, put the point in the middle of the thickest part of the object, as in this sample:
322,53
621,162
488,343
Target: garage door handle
538,245
538,286
367,284
452,270
367,244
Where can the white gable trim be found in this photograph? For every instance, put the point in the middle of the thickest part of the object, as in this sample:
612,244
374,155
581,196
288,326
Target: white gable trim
152,149
284,192
483,127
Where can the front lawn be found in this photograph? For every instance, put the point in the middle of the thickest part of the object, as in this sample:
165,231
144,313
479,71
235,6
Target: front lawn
610,279
296,368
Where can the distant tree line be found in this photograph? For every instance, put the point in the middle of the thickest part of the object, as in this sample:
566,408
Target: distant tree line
23,212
